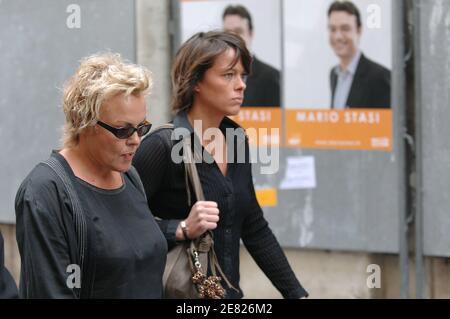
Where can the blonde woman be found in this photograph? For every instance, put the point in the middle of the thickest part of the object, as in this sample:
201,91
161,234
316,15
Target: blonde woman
83,225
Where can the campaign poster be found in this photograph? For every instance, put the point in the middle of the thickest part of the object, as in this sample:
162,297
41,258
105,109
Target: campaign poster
337,74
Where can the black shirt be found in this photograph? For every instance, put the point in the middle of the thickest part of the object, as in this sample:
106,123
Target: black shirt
8,289
371,86
130,250
240,214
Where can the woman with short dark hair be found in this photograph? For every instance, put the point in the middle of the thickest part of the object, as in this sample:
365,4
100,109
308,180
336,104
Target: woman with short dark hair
208,79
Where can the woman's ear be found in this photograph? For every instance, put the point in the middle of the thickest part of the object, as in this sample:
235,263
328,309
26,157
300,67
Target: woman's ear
196,81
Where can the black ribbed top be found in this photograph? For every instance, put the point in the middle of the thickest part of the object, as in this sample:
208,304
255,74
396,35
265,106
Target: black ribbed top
240,215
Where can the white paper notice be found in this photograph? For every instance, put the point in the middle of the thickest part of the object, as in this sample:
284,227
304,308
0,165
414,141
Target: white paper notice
300,173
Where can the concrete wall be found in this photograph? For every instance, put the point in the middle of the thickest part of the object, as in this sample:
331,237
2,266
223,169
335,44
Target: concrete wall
323,274
154,52
343,275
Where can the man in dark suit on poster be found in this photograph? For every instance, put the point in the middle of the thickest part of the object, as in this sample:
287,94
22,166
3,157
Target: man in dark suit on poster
263,84
356,82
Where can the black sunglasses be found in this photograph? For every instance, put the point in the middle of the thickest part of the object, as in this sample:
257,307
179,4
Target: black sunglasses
126,132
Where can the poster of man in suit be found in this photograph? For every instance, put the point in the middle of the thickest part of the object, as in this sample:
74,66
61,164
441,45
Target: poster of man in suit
263,84
258,23
357,81
337,78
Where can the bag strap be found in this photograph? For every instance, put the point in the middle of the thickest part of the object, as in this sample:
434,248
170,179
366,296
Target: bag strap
85,251
192,172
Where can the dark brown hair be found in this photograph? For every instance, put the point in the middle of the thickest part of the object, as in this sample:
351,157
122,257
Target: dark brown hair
240,11
196,56
348,7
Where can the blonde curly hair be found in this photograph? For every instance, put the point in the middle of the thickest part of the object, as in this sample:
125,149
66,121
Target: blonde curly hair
98,78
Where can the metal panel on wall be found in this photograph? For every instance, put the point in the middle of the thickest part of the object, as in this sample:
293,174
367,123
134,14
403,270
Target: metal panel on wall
352,149
41,43
434,103
354,205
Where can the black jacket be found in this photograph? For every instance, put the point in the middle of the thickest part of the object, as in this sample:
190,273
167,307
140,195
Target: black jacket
117,237
241,216
371,87
8,288
263,86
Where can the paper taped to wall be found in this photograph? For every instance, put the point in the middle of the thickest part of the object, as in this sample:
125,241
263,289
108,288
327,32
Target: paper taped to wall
300,173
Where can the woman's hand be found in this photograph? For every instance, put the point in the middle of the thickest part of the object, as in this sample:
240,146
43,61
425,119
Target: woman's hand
202,217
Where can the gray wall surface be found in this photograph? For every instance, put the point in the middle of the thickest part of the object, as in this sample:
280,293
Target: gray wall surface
354,206
357,200
434,102
38,53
